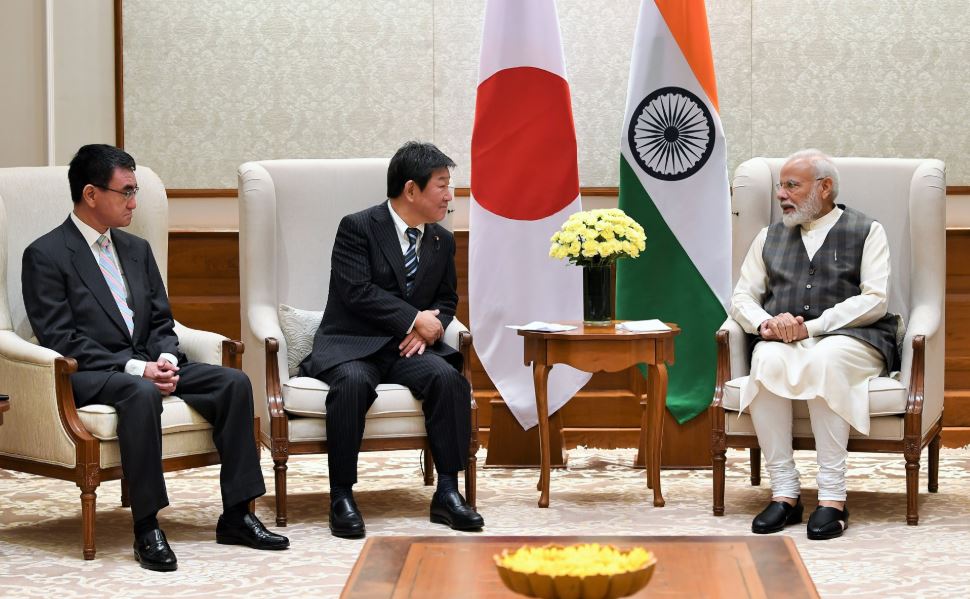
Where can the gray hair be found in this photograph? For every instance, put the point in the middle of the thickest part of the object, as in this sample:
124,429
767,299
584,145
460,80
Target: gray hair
823,165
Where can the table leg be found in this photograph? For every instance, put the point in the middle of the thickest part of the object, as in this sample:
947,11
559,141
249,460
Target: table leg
657,402
540,378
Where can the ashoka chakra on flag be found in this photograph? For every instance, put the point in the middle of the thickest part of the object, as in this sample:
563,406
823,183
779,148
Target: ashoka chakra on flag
671,134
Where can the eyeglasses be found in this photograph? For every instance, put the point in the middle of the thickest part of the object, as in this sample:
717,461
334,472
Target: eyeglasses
127,194
791,185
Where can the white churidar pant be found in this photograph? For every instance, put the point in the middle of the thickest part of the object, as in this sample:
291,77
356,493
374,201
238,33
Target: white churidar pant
831,373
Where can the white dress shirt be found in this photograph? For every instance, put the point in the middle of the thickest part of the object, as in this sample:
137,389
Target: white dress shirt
91,236
859,310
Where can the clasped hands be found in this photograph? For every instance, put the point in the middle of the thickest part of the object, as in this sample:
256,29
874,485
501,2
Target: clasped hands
426,331
784,327
164,374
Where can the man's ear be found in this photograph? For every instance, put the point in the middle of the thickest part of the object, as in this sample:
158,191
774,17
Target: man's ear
87,195
410,187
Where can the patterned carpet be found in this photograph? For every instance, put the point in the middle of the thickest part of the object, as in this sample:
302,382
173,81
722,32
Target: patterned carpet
599,494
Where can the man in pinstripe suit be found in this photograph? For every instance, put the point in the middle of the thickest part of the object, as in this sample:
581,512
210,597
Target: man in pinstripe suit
392,294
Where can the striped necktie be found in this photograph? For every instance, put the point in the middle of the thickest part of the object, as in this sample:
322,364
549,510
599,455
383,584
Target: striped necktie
112,276
411,258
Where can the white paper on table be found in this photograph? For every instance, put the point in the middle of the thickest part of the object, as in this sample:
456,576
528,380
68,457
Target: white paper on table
538,325
643,326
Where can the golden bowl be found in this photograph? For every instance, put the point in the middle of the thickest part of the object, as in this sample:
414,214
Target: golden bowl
571,586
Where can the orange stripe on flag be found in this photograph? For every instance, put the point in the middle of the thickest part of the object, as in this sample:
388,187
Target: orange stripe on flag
687,21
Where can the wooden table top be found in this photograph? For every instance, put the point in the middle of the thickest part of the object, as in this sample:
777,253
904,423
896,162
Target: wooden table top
448,567
609,331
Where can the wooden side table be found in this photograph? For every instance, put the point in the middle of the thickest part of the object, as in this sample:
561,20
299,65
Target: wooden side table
4,406
593,349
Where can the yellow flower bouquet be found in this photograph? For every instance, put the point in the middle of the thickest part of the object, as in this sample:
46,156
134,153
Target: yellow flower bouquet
595,239
587,571
598,238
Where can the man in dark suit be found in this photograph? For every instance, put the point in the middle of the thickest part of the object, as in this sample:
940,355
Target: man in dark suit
392,294
94,292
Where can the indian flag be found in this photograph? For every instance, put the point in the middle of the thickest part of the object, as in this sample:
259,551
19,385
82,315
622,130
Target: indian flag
524,184
673,181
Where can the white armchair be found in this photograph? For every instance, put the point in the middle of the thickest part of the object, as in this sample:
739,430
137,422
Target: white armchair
908,197
288,215
43,432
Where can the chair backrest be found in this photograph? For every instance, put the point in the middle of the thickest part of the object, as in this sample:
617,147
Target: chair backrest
34,200
288,215
907,196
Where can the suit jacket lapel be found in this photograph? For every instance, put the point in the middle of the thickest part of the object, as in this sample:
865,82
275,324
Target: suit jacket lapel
91,275
387,240
137,285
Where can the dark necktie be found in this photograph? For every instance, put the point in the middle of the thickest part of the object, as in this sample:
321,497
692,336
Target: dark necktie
411,258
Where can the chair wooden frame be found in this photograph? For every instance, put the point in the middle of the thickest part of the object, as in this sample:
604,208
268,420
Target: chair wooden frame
87,473
282,448
910,445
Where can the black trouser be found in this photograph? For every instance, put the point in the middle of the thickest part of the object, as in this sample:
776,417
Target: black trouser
446,402
223,396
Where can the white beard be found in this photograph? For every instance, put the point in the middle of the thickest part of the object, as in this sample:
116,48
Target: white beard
805,213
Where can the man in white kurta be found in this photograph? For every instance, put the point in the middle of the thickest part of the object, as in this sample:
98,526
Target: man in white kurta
821,352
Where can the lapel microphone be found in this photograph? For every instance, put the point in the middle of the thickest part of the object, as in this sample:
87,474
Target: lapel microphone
437,242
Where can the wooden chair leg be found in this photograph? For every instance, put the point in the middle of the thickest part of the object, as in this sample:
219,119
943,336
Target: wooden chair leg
125,497
471,481
279,470
912,486
718,458
88,502
934,467
755,466
428,467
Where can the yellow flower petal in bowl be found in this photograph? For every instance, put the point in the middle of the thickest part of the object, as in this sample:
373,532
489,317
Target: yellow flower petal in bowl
587,571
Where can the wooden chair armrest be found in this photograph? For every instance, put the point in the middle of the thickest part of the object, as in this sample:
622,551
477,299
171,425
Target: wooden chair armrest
232,352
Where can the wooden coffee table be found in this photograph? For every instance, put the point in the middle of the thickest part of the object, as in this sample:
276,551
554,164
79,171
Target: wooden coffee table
449,567
4,406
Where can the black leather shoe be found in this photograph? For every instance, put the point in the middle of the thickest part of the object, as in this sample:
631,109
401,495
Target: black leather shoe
345,519
777,516
827,523
248,531
451,508
153,553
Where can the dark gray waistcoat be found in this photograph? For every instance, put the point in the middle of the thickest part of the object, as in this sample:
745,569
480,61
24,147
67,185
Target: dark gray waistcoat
806,287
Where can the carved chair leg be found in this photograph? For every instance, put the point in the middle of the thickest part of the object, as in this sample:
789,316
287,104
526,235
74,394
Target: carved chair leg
88,502
471,481
718,458
912,486
279,470
428,467
934,467
755,466
125,498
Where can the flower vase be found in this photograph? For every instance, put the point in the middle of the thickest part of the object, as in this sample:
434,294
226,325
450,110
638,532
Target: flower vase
597,295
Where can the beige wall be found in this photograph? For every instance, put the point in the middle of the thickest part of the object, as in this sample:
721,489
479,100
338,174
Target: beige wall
23,96
209,85
57,70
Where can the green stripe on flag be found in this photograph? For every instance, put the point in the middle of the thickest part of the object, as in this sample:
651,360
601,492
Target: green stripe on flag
664,283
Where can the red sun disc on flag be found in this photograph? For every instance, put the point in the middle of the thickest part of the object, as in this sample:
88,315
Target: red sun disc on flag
524,145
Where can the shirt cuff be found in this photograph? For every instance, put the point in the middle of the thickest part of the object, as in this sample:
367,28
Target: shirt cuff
814,327
135,367
170,358
411,328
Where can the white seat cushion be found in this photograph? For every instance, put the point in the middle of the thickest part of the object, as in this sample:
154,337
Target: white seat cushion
306,396
395,412
102,421
886,397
